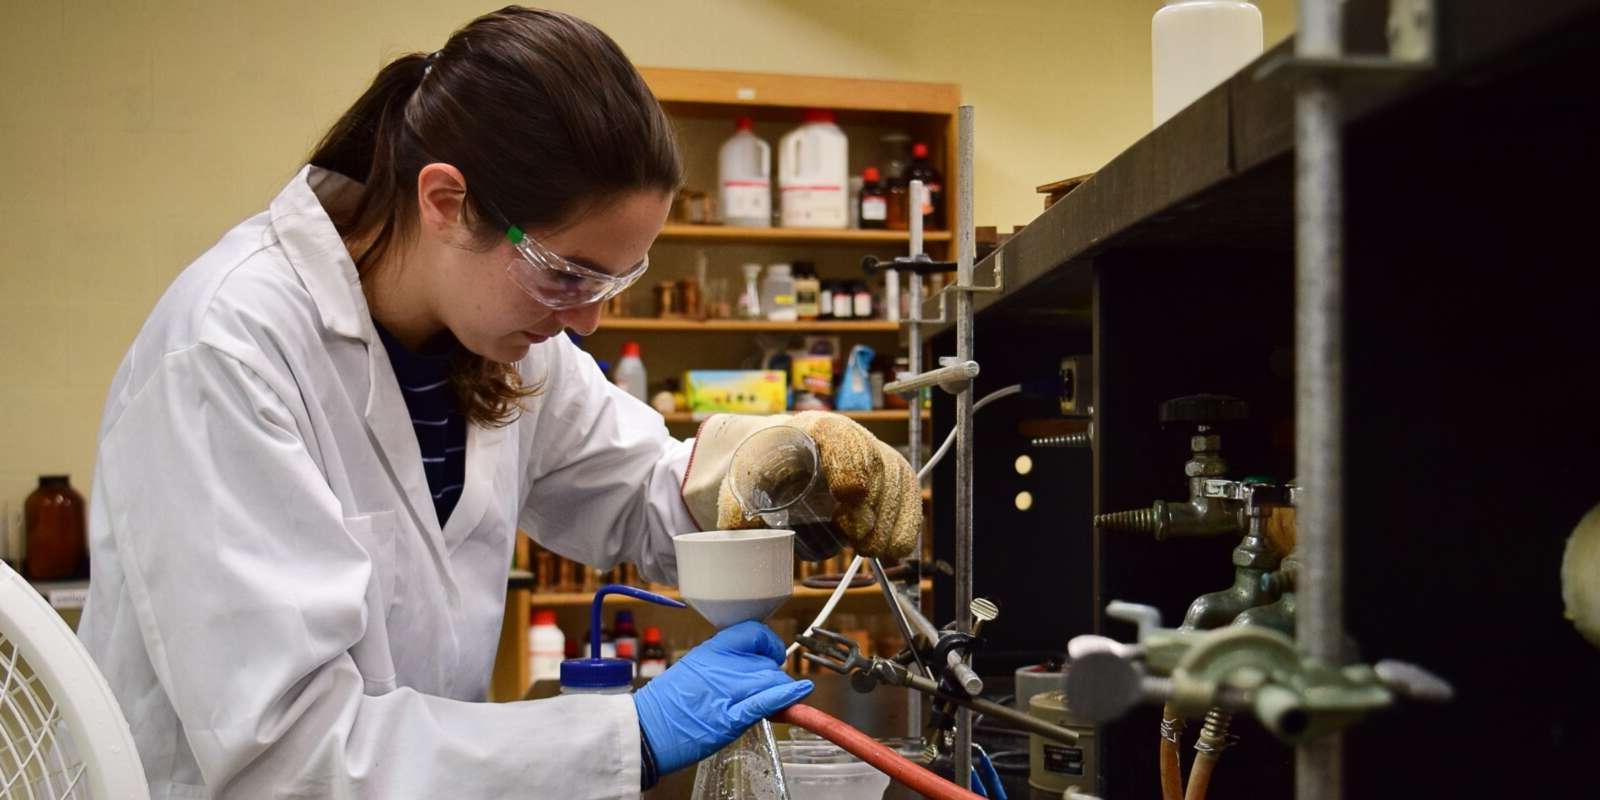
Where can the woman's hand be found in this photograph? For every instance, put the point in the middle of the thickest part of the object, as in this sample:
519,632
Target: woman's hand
714,693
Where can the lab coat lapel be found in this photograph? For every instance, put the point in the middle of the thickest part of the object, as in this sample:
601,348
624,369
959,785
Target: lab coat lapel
319,257
389,424
483,462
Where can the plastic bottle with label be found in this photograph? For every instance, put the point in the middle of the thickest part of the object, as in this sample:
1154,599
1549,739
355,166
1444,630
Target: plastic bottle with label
653,658
630,374
814,174
625,635
1197,44
744,177
874,200
807,288
547,646
777,294
922,169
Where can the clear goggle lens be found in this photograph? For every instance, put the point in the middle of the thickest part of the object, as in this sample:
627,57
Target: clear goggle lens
556,282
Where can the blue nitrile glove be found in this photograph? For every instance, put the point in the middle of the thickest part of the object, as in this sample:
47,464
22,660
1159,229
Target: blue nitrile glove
713,694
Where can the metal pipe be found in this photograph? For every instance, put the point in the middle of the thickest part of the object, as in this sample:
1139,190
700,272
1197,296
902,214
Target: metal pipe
964,675
958,374
989,708
914,434
965,251
897,611
1319,379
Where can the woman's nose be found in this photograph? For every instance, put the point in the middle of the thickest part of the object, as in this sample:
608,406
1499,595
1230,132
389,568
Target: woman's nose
582,320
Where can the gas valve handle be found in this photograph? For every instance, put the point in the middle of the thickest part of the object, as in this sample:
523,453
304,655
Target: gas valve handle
1204,409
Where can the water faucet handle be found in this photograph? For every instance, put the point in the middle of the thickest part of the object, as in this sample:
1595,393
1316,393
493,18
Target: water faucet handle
1147,618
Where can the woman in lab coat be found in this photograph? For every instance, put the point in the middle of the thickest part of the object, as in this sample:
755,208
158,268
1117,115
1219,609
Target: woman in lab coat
316,454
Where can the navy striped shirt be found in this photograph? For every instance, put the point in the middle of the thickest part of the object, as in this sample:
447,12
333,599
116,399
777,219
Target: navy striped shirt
435,416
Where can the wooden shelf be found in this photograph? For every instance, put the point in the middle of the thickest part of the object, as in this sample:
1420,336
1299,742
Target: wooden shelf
559,599
880,415
724,233
724,88
747,326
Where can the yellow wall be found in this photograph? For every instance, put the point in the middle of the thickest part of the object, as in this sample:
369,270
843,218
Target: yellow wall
134,133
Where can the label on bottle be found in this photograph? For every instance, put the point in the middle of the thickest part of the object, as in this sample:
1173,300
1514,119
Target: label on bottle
842,305
651,667
874,209
930,191
746,200
863,305
814,206
1065,760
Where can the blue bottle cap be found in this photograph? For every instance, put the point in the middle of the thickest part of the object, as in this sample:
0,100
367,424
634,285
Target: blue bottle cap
596,673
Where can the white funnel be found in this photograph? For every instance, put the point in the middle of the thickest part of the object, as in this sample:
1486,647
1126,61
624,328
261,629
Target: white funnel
732,576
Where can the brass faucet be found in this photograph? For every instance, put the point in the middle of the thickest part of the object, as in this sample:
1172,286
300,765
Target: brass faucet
1214,507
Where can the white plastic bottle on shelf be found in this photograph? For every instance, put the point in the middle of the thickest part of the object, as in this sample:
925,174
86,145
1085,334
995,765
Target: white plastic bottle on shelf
547,645
1197,44
814,174
629,373
750,298
744,175
777,294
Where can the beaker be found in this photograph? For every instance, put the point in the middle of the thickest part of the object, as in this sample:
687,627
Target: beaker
777,477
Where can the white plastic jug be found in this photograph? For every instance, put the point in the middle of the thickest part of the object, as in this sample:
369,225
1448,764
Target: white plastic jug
814,174
1197,44
744,177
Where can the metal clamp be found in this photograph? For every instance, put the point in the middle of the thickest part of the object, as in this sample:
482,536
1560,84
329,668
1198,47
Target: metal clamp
999,286
1413,45
1241,668
841,654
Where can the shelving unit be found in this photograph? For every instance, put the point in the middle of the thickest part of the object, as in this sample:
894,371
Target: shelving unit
563,599
880,415
723,233
746,326
703,106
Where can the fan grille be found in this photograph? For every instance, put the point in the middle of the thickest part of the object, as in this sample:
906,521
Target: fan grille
38,759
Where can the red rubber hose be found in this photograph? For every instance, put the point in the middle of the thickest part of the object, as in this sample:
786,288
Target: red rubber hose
870,750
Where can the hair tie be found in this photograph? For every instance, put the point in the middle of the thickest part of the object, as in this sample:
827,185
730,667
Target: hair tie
428,63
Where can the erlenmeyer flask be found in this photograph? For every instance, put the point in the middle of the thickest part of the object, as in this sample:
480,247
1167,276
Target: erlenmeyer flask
747,769
777,477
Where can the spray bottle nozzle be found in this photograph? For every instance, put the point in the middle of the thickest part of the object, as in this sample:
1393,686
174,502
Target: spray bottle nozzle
617,588
596,673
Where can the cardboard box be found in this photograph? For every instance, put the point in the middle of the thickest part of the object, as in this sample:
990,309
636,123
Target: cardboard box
737,391
812,374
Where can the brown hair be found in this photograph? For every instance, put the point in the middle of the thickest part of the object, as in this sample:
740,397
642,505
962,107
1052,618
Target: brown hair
543,115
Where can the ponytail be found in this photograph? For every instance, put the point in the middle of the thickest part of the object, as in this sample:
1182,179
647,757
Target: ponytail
364,146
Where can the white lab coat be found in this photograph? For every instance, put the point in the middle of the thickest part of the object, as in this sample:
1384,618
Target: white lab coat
273,601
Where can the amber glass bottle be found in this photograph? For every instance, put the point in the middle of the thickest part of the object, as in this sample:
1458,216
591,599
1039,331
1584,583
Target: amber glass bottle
58,547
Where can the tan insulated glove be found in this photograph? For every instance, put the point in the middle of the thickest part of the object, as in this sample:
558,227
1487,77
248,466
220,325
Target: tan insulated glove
879,512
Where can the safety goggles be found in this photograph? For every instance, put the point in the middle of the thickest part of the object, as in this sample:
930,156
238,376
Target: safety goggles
556,282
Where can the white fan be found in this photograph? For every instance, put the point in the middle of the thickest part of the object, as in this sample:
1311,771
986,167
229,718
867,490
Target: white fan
62,734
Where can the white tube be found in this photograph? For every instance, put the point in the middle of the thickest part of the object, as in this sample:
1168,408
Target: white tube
949,440
833,600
